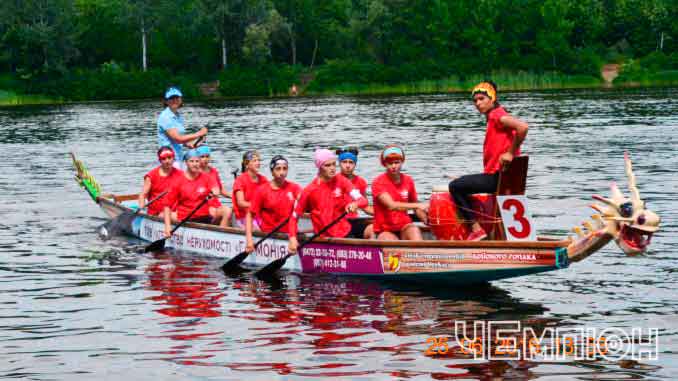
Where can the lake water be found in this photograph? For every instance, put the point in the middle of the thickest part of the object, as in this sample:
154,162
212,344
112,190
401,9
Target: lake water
73,307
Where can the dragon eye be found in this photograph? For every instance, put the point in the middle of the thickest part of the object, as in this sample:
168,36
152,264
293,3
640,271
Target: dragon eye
641,219
626,209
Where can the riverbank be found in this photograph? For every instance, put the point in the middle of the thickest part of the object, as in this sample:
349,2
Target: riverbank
10,98
506,80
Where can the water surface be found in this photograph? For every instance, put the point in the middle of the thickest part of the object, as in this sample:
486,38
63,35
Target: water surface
73,307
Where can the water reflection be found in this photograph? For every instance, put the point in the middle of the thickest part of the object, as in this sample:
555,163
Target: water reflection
337,322
185,288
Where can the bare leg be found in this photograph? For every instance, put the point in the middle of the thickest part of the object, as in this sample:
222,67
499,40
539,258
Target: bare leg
411,233
225,216
174,218
387,236
475,227
369,232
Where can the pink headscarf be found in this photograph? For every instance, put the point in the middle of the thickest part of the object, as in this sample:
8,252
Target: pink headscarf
321,156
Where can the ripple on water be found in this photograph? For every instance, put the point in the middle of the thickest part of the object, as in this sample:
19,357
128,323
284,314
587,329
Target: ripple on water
74,307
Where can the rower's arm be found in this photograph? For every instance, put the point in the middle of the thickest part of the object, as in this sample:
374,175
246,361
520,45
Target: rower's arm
167,214
240,199
521,131
145,190
369,209
248,232
386,200
174,134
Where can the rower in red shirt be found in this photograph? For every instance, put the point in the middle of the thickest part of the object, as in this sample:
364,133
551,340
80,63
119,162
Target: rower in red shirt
187,193
348,160
325,198
205,153
158,180
394,194
503,137
273,202
245,186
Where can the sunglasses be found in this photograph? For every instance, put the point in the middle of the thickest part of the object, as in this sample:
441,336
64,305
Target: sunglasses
353,150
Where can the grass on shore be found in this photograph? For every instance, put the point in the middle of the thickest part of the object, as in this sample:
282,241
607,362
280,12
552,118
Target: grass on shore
647,78
10,98
506,80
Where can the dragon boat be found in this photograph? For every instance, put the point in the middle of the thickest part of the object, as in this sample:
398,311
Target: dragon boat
624,220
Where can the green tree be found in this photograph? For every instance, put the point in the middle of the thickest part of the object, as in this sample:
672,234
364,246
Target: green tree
144,16
38,35
552,38
223,16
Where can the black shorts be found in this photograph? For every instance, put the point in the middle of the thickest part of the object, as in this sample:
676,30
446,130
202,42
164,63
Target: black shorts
202,220
358,226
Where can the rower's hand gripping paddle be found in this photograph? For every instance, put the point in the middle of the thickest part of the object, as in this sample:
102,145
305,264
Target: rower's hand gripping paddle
233,263
276,265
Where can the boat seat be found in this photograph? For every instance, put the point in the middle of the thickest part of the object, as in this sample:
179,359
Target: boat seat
512,181
118,198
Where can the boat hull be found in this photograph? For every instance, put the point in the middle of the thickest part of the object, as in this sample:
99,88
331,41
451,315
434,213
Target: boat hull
450,262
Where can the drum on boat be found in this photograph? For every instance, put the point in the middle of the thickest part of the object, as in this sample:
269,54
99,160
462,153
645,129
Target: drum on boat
442,216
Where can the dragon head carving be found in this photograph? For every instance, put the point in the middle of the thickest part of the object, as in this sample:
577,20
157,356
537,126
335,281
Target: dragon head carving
626,219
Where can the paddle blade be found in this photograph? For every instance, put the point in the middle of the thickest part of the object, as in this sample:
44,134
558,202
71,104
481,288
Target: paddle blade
155,246
233,263
272,267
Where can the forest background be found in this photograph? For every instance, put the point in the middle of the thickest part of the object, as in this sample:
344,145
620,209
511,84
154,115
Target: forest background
78,50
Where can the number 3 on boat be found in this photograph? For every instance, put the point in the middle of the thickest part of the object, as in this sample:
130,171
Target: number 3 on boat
518,225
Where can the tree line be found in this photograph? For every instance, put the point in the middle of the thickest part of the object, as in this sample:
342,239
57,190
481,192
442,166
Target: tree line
203,37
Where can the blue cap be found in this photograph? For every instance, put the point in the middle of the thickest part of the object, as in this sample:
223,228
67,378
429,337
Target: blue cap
191,153
203,150
173,92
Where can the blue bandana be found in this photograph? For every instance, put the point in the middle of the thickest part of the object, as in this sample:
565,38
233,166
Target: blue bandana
203,150
395,151
348,155
191,153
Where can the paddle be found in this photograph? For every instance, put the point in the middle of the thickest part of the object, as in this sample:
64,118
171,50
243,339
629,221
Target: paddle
123,220
274,266
160,244
233,263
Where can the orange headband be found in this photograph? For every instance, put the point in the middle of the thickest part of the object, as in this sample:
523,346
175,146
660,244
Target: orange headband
485,88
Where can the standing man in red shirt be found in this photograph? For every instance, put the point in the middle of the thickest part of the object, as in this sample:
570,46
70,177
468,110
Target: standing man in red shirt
325,198
273,202
394,194
158,180
189,192
502,142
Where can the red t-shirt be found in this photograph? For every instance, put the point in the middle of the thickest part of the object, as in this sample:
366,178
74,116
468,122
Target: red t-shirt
187,194
244,183
498,139
392,220
360,184
160,184
214,174
327,201
273,206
